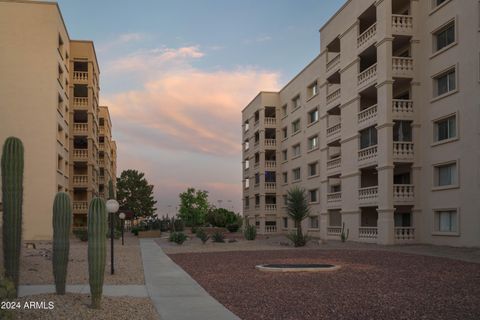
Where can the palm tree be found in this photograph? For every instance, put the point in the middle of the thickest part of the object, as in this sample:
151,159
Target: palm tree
297,210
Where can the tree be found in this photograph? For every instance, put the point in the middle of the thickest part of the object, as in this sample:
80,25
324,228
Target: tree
135,194
193,206
298,210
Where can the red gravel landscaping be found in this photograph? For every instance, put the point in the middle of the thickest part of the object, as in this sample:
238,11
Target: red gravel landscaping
369,285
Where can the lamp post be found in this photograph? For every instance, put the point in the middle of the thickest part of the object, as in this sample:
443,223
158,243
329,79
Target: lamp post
122,218
112,208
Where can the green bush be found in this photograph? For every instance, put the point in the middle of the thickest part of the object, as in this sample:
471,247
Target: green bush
250,232
116,234
202,235
81,233
218,236
298,239
135,231
233,227
177,237
179,225
194,229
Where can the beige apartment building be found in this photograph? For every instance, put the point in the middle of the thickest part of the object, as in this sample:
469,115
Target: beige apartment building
381,128
49,88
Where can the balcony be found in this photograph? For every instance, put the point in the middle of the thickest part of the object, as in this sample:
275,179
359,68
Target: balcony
402,109
270,186
333,132
334,96
80,101
402,24
402,67
269,121
271,229
80,76
80,206
334,199
101,162
270,207
367,76
368,117
403,193
404,234
80,128
368,155
368,233
334,231
367,37
80,180
368,195
80,154
270,164
403,151
334,63
101,180
270,142
334,165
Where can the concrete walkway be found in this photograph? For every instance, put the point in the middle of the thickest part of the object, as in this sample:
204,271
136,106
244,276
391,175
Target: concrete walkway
174,293
108,290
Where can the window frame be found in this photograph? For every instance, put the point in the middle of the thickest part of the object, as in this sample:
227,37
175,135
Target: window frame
310,196
442,28
299,174
309,142
313,110
456,178
436,221
295,147
435,140
294,132
309,166
440,74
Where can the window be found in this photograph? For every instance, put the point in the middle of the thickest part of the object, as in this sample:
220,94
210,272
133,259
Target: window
60,45
247,164
444,36
247,202
312,89
247,183
445,82
296,102
296,174
313,143
295,126
285,133
285,223
445,128
313,195
368,137
257,178
296,150
312,169
247,145
446,175
285,155
257,199
60,163
313,116
314,222
285,200
247,126
80,90
436,3
284,110
285,177
446,221
402,131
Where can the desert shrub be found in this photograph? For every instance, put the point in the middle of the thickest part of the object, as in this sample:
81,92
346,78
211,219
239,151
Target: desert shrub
250,232
81,234
177,237
202,235
233,227
135,231
218,236
298,239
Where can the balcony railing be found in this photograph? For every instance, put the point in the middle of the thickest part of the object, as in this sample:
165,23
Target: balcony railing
403,193
270,121
80,206
368,232
333,96
270,142
367,35
80,179
402,108
367,153
334,62
270,229
80,76
334,163
334,231
368,194
403,151
333,130
367,114
334,196
402,66
80,101
367,75
270,164
80,153
101,162
270,185
402,23
80,127
404,233
270,207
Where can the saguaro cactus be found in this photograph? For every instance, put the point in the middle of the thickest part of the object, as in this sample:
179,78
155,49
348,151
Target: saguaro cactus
97,228
62,221
12,195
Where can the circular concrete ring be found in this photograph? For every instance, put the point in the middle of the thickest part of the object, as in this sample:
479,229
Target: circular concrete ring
273,267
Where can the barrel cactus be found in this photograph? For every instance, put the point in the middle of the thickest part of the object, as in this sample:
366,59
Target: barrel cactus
62,222
12,195
97,228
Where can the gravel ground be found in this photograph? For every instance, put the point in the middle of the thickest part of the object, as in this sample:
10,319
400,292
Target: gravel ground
369,285
36,264
77,306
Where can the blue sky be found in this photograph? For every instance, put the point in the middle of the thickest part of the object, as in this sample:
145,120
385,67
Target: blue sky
176,74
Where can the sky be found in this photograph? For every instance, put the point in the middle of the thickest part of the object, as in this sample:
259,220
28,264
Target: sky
176,75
